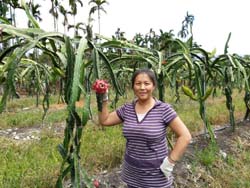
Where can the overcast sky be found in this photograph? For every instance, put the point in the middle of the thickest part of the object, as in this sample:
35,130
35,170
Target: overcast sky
214,19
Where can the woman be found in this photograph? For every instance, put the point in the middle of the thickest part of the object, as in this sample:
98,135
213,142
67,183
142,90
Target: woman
148,163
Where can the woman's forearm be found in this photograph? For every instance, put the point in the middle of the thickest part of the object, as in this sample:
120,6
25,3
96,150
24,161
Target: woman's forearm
179,148
107,118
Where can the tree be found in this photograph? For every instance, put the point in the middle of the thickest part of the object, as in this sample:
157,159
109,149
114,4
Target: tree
54,11
65,13
98,6
187,26
119,35
73,11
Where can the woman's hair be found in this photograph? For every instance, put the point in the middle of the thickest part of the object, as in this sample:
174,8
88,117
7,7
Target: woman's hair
148,72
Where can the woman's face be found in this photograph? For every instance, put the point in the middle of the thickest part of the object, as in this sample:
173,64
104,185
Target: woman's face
143,86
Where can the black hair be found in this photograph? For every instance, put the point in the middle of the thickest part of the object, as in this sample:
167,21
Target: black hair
148,72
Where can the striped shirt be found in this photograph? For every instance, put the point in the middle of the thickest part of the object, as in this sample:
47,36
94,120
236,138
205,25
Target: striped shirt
146,145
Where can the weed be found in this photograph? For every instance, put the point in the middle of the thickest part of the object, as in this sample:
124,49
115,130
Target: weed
207,156
230,160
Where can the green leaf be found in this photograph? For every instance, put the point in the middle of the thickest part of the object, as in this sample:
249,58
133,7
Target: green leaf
110,69
77,71
11,30
85,111
59,182
76,175
62,151
31,18
4,20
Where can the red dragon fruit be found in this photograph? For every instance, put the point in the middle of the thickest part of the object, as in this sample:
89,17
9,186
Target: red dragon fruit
100,86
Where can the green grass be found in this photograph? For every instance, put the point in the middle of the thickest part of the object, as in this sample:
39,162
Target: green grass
105,146
36,163
24,113
29,118
231,172
207,156
28,165
210,169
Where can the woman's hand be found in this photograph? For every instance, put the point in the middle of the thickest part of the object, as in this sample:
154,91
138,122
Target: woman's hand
101,89
167,167
105,118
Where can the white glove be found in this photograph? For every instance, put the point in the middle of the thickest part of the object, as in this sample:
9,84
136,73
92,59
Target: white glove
105,96
167,167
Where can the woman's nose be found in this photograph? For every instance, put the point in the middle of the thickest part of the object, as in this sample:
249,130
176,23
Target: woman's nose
142,86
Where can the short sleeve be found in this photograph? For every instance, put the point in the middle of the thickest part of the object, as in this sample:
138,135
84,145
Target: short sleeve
168,113
121,112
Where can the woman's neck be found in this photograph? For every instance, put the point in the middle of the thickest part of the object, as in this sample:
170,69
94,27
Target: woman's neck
146,102
143,106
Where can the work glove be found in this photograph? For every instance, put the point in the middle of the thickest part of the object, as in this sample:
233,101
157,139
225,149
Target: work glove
167,167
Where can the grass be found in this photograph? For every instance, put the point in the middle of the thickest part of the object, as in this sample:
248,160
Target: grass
30,118
23,113
36,163
207,156
105,146
29,164
217,171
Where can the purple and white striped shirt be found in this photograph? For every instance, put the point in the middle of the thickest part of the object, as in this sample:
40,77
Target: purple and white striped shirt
146,145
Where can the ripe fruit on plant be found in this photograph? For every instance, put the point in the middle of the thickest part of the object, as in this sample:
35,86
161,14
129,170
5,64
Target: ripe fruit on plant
96,183
100,86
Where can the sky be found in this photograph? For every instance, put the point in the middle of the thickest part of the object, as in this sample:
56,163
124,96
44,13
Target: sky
213,20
